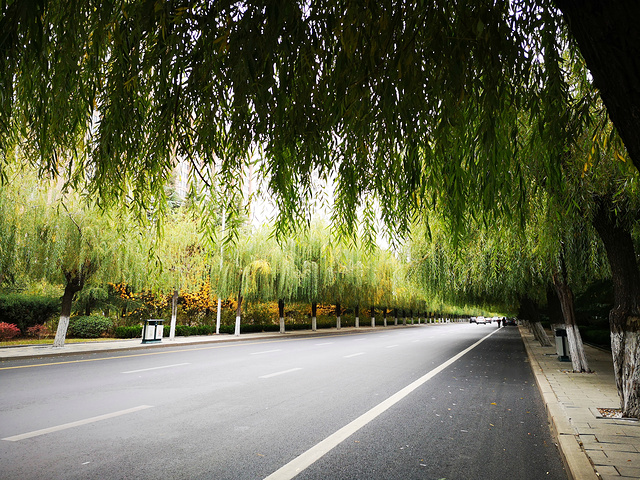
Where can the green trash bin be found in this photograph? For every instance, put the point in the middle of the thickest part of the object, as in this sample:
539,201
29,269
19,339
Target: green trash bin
152,331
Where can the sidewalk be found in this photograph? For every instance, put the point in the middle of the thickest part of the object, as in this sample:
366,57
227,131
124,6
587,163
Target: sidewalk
592,446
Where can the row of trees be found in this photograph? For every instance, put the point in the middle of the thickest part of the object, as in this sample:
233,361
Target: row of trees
55,236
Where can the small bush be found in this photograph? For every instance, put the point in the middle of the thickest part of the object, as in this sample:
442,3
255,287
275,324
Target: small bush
8,331
39,331
128,331
89,327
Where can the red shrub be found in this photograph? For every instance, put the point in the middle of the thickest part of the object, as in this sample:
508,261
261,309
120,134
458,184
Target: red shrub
8,330
40,331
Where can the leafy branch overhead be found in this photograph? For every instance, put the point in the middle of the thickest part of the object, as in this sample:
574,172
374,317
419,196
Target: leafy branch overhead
407,103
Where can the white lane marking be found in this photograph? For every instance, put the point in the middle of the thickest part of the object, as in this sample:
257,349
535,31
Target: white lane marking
298,464
157,368
354,355
391,346
266,351
65,426
280,373
326,343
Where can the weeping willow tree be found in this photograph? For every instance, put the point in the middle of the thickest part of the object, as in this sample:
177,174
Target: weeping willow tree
247,273
180,260
68,241
388,100
314,259
286,275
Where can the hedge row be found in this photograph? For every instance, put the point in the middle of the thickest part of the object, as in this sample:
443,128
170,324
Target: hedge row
27,310
186,331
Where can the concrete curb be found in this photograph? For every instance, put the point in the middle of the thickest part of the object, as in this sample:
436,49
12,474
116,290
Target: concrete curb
29,352
576,461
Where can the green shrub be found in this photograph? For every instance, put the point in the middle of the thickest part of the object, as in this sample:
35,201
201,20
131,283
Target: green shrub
89,327
128,331
599,337
28,310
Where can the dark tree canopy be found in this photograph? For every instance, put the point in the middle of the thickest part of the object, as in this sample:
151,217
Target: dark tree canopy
404,103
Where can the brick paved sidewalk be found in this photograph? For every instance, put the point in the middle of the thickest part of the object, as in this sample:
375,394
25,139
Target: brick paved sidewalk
592,446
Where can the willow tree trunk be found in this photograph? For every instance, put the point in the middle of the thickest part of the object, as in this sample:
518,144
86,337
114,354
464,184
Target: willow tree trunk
404,317
174,314
384,316
395,316
357,311
576,348
314,321
338,313
609,39
624,318
281,312
529,311
238,311
373,317
74,283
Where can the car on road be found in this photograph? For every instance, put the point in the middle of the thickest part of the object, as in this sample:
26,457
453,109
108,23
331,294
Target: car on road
481,320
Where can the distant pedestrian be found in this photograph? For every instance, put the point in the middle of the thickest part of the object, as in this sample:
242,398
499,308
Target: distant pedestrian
499,323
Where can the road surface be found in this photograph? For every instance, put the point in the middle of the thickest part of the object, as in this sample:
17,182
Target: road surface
453,401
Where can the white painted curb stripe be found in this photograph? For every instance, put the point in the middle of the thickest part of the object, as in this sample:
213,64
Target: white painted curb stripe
65,426
157,368
281,373
300,463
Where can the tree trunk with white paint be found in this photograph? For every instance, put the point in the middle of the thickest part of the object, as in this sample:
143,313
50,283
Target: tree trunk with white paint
74,283
174,315
281,312
357,311
404,318
338,313
395,316
314,321
576,347
624,318
238,311
218,315
373,317
384,316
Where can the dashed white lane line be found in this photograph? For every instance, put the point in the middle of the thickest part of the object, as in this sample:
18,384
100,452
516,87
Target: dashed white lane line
354,355
326,343
65,426
391,346
157,368
280,373
298,464
266,351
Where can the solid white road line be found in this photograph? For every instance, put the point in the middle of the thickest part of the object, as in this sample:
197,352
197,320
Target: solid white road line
354,355
298,464
157,368
65,426
266,351
280,373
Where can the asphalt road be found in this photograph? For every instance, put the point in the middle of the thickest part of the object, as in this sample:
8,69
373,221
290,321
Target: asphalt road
426,402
